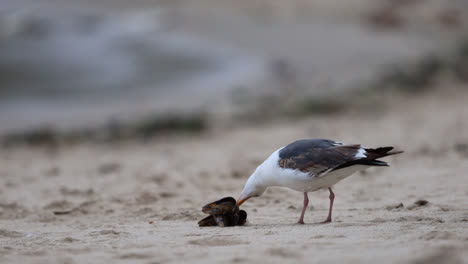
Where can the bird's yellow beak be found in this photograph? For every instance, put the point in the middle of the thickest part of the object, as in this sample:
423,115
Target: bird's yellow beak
241,200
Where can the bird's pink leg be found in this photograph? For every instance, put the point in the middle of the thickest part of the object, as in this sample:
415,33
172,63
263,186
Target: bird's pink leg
306,203
332,197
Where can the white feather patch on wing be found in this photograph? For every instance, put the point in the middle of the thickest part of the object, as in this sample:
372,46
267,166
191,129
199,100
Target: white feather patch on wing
360,154
325,172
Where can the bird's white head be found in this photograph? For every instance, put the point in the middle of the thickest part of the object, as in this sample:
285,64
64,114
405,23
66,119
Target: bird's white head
253,188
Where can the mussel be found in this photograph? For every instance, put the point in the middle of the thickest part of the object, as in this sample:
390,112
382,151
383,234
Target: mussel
223,212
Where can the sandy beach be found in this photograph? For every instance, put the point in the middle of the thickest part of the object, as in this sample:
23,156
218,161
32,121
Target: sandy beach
139,202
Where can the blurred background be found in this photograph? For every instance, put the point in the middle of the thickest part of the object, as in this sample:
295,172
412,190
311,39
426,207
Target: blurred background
113,69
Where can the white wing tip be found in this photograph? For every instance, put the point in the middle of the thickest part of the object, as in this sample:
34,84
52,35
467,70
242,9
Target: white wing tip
361,153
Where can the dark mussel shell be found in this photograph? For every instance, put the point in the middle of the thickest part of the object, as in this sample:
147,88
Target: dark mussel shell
223,212
242,217
208,221
225,220
229,219
222,206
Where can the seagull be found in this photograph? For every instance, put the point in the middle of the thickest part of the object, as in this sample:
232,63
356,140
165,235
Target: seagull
309,165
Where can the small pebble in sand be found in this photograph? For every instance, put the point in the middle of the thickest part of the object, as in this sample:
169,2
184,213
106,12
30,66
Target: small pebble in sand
421,202
167,195
418,203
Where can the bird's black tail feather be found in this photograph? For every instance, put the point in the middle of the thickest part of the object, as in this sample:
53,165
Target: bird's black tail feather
373,154
377,153
372,163
371,158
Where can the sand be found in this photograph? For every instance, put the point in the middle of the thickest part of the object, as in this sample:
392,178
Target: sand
139,202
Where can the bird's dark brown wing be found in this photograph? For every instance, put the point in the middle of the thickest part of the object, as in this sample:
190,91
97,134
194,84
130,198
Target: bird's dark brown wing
317,158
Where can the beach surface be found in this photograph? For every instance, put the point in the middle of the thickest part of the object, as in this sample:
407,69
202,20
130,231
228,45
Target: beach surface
139,202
